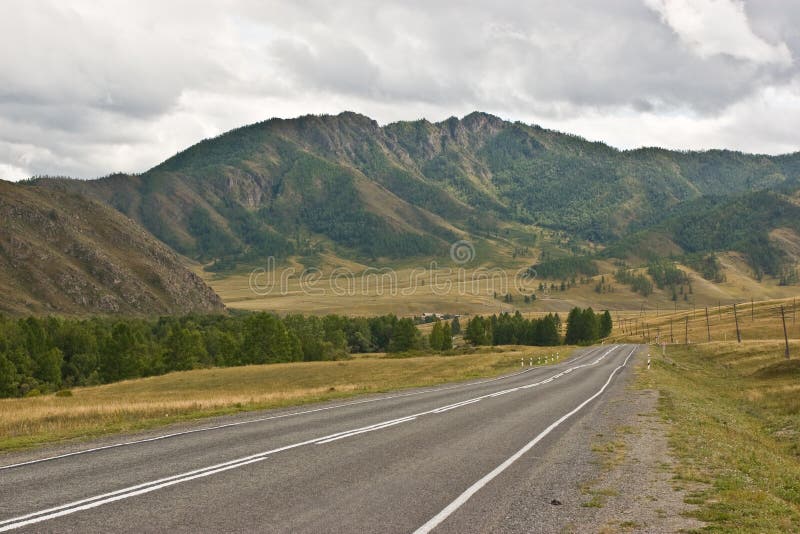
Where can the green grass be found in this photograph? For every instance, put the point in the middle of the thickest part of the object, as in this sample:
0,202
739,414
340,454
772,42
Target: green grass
734,414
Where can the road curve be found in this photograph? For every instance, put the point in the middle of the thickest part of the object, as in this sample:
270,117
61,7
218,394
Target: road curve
441,459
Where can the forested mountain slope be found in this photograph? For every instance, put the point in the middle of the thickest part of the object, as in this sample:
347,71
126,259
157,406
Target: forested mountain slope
284,187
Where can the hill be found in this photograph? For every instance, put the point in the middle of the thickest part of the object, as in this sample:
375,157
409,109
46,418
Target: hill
344,183
63,253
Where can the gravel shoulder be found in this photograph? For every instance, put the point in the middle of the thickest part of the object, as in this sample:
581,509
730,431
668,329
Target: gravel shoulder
612,471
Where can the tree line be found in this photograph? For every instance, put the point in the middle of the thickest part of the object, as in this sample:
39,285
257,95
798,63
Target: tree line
39,355
583,327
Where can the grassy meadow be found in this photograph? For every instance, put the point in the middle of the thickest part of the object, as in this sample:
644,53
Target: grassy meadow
145,403
472,291
733,411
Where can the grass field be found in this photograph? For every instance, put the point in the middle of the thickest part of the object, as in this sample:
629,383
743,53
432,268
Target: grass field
734,414
149,402
756,320
733,409
415,289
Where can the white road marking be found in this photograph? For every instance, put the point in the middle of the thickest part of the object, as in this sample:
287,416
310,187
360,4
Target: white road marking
463,403
147,487
269,418
464,497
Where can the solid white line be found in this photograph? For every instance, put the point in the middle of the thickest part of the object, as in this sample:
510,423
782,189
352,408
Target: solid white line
262,419
464,497
92,502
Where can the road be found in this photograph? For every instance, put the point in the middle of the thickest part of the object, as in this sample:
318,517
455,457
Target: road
447,459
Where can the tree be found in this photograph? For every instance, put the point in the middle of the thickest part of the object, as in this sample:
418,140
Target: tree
447,341
118,359
266,340
404,336
184,349
591,326
436,338
455,326
8,377
606,324
583,326
478,331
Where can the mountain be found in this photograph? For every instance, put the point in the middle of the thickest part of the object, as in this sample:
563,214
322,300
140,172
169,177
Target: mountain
409,189
63,253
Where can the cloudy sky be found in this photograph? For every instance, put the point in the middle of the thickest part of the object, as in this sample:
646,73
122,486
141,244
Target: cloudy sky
88,88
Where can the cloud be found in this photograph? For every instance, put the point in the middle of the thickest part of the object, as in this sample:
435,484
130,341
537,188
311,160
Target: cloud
90,88
713,27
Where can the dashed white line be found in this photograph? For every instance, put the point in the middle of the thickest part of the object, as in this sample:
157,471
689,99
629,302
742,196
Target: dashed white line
147,487
258,420
269,418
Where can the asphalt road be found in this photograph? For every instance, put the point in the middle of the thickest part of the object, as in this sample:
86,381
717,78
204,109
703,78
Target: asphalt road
446,459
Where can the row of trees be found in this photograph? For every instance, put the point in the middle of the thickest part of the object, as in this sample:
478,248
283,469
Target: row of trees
508,329
46,354
584,326
570,266
638,281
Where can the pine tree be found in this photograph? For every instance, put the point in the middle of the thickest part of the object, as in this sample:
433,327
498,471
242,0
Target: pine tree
574,327
606,324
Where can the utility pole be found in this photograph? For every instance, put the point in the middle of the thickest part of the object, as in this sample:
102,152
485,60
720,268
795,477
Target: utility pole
794,310
736,319
785,334
752,310
708,326
671,337
686,335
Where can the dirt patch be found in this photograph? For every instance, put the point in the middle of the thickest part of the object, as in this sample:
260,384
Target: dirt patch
634,490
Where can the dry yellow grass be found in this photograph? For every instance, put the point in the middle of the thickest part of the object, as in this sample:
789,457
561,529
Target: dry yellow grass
758,321
148,402
413,293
